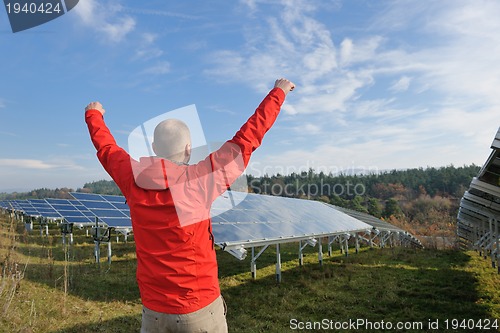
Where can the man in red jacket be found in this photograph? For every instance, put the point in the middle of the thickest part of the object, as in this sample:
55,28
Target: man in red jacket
170,203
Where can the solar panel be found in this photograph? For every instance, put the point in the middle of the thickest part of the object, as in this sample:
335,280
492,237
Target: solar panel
109,209
72,212
27,208
371,220
479,212
44,209
263,219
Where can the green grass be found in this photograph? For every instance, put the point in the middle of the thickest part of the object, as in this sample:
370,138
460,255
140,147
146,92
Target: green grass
393,285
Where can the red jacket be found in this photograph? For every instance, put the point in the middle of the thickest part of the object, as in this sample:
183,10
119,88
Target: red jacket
176,264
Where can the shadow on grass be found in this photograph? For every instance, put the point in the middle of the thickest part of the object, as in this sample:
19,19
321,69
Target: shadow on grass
394,288
115,325
390,285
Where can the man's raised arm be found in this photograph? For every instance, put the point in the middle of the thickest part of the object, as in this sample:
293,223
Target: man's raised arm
114,159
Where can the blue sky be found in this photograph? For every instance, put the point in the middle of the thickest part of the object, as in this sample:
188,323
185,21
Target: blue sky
380,84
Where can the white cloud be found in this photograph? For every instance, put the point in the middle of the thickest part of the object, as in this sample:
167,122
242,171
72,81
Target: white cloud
38,164
293,43
160,68
401,85
25,164
105,19
147,48
446,52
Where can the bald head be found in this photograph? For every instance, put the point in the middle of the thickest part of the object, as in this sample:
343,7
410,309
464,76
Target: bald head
172,140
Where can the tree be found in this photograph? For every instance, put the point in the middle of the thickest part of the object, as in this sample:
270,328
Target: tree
392,209
374,208
357,204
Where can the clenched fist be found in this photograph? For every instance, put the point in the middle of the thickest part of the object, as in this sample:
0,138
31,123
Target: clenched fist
95,106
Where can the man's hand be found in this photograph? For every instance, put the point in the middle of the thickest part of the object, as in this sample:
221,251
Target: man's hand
285,85
95,106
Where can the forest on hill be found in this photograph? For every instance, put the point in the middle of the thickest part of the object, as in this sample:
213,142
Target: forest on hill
422,201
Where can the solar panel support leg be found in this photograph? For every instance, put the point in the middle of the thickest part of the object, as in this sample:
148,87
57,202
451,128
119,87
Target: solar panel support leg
346,245
484,251
329,247
301,256
497,242
97,251
278,264
253,265
320,251
357,243
492,254
109,252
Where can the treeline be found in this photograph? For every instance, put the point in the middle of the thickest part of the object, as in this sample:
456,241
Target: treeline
422,201
447,181
101,187
41,193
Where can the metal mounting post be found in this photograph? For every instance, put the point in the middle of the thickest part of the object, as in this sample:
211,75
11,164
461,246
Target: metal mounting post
278,263
346,244
320,251
253,265
357,243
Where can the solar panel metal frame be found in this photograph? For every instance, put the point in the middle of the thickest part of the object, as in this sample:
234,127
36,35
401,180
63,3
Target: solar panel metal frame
230,223
72,212
109,209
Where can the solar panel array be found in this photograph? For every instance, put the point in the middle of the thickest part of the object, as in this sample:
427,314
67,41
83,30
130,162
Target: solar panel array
109,209
257,220
263,219
381,226
479,213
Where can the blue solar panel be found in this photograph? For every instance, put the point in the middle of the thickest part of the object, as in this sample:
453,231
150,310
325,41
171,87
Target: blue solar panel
108,213
72,212
117,222
87,196
110,209
114,198
96,204
44,209
262,218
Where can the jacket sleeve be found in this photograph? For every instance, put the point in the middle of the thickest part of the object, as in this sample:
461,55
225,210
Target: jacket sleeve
250,136
221,168
115,160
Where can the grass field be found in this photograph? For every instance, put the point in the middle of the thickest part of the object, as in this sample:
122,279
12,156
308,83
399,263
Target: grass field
44,288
